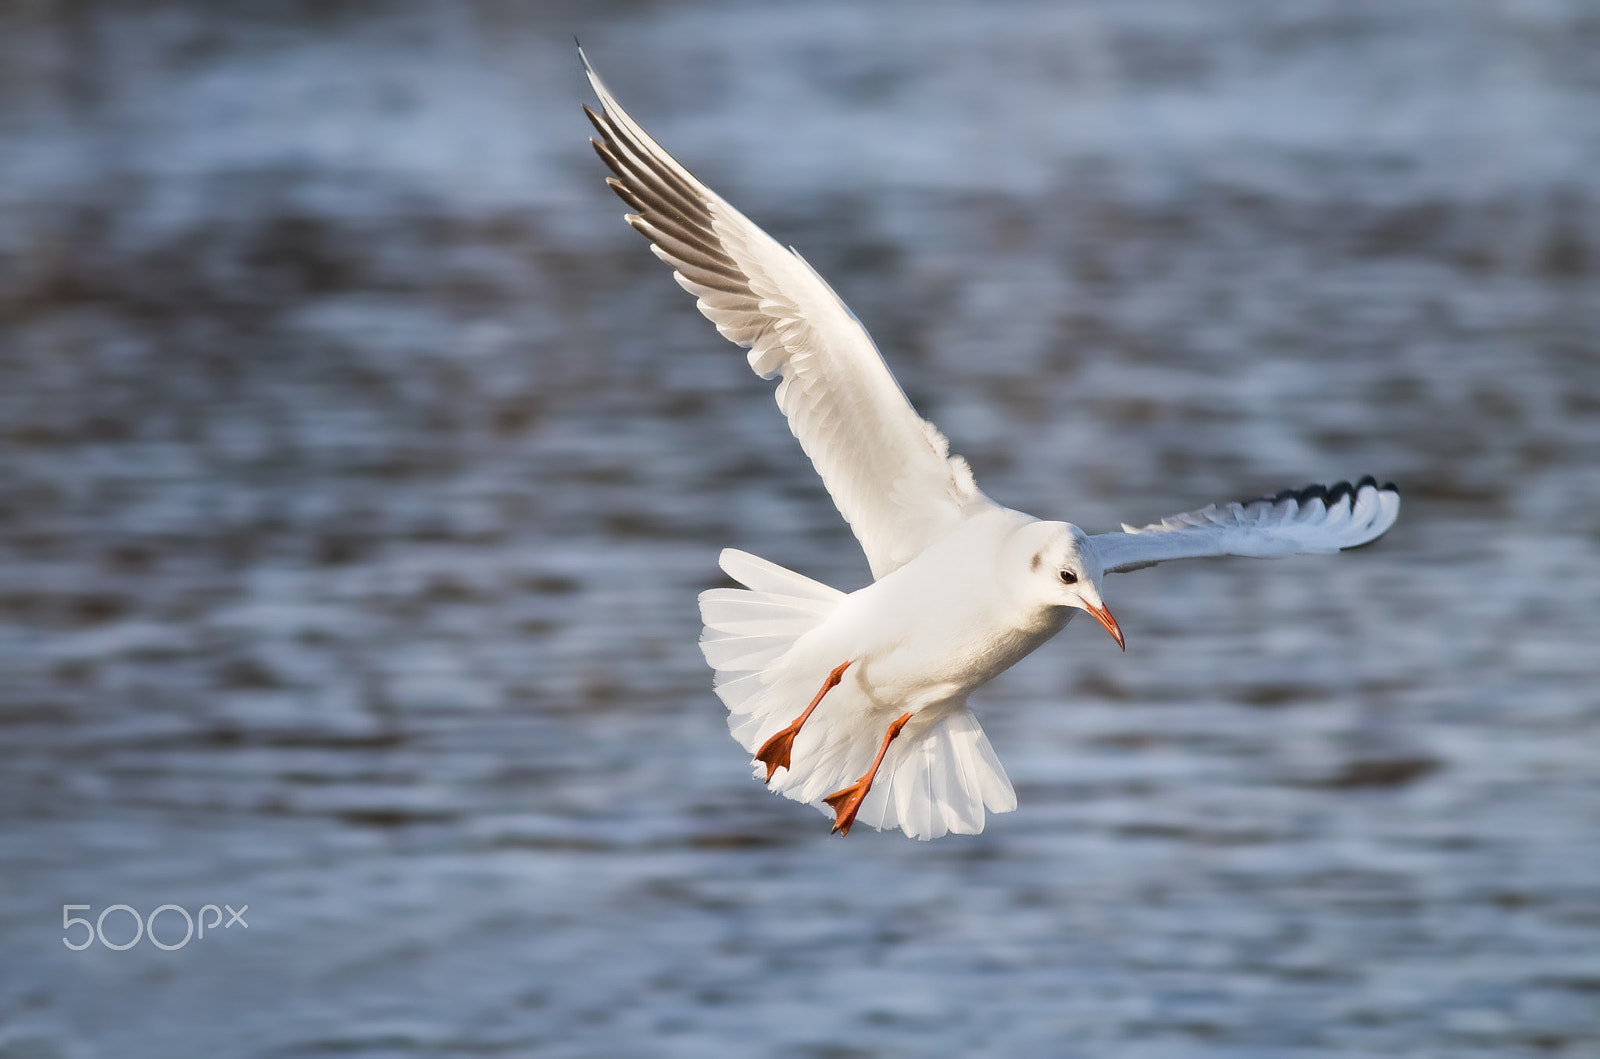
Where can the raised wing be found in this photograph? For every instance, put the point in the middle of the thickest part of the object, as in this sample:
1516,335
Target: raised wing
888,470
1314,519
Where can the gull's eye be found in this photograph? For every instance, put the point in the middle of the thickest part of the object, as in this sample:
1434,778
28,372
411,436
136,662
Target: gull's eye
1068,577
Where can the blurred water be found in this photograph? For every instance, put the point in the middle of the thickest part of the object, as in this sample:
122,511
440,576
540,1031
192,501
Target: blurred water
360,469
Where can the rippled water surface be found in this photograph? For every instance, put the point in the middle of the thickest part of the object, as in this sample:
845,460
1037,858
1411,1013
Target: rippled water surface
360,469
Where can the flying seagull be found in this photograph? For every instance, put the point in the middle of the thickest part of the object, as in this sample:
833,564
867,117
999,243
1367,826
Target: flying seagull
857,702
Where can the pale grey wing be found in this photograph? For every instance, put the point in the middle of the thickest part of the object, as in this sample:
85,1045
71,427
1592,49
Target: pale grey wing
888,470
1315,519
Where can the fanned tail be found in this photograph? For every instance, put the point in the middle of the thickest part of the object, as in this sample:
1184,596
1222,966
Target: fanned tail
747,632
938,777
940,782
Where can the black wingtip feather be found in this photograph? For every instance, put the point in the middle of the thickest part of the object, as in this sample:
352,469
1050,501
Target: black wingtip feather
1328,494
604,152
624,194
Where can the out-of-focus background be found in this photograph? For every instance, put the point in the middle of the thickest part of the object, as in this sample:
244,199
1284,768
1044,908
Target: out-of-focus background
359,468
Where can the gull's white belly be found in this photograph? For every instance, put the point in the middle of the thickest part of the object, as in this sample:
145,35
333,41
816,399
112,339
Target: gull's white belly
936,663
918,643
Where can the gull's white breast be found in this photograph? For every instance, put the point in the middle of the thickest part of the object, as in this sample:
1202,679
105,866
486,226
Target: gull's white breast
938,627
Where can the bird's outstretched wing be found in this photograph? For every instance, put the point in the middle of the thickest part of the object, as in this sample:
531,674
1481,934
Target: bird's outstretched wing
1314,519
888,470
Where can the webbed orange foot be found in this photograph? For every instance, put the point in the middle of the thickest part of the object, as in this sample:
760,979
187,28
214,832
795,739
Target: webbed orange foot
774,753
846,802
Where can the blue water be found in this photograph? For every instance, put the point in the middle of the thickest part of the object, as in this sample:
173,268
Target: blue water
360,468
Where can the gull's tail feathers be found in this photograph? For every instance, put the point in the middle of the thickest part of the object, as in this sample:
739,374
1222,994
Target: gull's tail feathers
938,777
748,634
940,781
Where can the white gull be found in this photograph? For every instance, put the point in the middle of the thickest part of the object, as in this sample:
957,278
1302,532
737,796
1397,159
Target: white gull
963,588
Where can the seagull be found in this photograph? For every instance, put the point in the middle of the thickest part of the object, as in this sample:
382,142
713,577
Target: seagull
856,703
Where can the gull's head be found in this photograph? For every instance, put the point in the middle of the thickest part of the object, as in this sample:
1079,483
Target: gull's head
1064,570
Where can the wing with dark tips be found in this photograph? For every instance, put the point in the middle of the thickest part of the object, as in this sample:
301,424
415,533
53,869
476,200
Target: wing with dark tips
888,470
1314,519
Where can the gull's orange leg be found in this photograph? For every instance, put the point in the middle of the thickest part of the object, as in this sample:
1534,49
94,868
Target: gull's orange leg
847,802
774,753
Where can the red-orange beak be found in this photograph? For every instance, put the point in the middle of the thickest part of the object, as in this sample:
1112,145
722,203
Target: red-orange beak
1103,616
